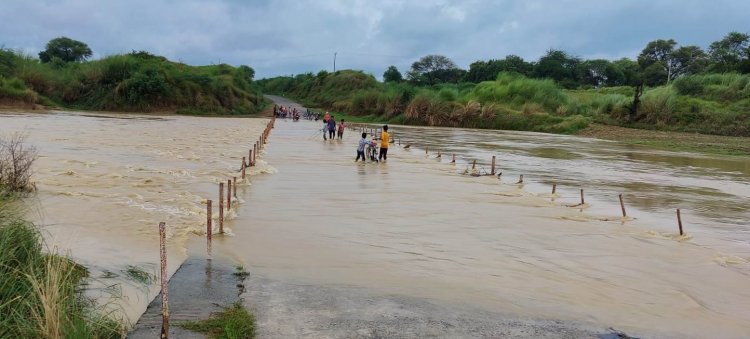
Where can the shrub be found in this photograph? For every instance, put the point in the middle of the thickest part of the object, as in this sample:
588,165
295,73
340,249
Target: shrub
16,159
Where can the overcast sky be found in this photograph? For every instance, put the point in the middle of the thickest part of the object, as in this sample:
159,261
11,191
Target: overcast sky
289,37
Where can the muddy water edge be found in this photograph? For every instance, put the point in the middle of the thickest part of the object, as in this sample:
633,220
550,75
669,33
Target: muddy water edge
105,181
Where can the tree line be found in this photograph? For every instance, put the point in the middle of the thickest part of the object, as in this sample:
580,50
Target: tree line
660,62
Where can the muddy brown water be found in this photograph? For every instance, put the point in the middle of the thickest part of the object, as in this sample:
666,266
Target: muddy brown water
416,226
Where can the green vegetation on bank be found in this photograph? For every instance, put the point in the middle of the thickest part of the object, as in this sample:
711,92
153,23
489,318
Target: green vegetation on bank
668,87
137,82
705,103
40,291
40,295
234,322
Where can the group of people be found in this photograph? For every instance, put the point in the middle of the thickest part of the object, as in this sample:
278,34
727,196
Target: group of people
330,129
284,112
371,146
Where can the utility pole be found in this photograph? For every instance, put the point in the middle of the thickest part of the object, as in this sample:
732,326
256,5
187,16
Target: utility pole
334,61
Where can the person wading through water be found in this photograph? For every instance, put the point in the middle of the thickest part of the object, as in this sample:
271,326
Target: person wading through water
384,139
325,125
331,128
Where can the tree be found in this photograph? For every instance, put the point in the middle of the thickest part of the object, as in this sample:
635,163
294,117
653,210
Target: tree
731,53
392,75
630,71
688,60
559,66
432,69
488,70
66,49
656,58
246,72
516,64
600,72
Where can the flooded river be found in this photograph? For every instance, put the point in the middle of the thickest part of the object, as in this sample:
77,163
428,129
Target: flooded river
415,225
105,182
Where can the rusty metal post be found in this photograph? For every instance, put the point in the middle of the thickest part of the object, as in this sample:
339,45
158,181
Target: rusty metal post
255,151
209,226
474,164
243,168
221,207
453,160
399,141
554,188
164,282
582,201
426,150
229,194
492,171
234,186
679,221
249,158
622,206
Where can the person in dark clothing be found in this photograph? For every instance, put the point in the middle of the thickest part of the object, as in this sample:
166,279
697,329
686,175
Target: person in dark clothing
331,128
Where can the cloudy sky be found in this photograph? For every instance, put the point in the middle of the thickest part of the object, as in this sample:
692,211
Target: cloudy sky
289,37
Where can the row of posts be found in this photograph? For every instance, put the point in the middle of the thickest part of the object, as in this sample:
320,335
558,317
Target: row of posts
493,167
231,191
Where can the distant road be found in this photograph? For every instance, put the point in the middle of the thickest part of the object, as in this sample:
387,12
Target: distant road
283,101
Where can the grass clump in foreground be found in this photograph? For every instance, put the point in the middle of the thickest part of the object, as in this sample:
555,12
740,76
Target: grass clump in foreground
39,292
234,322
140,275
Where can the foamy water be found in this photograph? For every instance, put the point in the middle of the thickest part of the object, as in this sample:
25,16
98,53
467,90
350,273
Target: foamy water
415,225
106,181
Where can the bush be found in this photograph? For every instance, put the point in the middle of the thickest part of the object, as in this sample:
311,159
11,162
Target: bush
516,91
137,81
16,160
15,90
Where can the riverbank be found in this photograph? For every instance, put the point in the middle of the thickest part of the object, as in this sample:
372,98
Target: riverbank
662,140
101,193
40,289
671,141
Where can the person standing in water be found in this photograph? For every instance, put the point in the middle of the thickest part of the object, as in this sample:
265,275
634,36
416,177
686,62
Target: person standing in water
384,139
331,128
340,133
361,148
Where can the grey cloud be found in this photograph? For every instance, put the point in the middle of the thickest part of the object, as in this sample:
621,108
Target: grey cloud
288,37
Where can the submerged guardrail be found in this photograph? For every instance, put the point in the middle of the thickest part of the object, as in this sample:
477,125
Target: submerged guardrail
231,192
363,127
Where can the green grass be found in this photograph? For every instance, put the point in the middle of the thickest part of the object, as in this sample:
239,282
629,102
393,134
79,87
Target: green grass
137,81
709,104
40,295
240,272
234,322
139,275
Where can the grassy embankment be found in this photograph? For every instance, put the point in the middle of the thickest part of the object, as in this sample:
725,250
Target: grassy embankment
40,291
40,294
133,82
717,104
